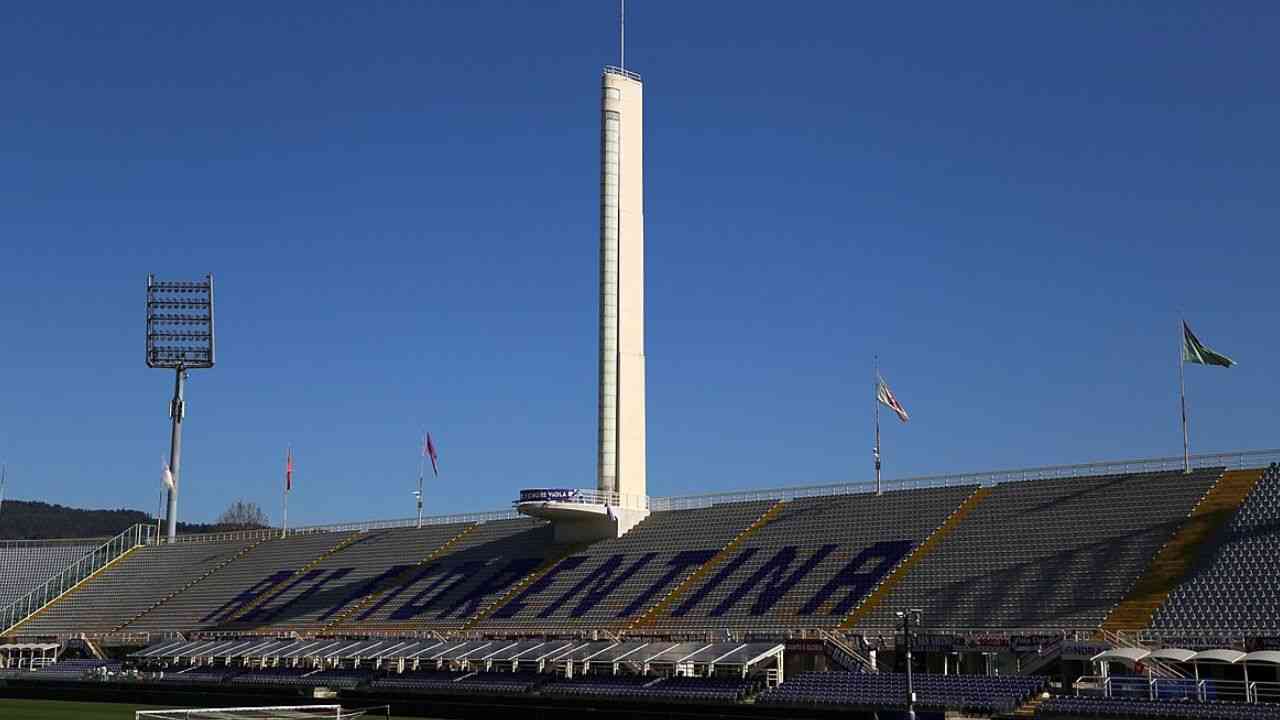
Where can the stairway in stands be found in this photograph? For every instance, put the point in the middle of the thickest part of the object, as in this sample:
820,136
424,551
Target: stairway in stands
1178,556
881,590
377,592
1029,709
188,586
675,593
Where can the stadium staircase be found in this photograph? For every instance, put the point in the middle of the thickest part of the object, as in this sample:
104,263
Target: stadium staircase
675,593
1178,556
82,571
367,600
484,612
882,589
274,591
1028,709
840,652
188,586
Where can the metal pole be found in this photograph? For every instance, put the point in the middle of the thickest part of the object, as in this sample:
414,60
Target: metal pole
911,692
622,34
876,401
177,410
422,468
1182,390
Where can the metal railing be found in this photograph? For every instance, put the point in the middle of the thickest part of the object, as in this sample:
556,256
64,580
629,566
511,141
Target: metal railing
52,542
1200,690
267,533
615,70
1230,461
55,587
584,496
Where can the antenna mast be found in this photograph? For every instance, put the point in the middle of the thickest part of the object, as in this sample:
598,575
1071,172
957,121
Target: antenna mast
622,34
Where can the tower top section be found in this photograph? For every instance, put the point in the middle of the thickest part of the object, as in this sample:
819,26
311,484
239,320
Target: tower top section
614,70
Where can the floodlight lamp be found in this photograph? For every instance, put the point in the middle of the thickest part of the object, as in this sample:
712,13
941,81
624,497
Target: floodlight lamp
183,339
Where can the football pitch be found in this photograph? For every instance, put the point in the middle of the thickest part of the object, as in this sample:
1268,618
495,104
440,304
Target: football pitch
60,710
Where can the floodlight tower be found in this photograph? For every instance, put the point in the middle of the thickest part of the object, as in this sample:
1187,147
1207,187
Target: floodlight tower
179,338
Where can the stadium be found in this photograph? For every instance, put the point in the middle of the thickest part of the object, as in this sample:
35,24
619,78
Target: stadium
1139,588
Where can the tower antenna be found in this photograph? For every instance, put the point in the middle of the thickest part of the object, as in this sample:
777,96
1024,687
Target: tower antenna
622,34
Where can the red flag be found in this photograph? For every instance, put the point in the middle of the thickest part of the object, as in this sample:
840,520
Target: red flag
429,449
288,470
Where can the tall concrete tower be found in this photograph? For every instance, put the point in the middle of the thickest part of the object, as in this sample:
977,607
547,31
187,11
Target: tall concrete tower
621,466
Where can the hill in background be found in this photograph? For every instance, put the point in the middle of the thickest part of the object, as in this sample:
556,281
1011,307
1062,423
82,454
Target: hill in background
24,520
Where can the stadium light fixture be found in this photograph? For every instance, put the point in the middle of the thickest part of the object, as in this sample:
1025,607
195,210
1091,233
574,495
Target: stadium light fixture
179,338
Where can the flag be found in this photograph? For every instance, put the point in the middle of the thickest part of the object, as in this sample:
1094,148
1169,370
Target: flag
1193,351
167,476
429,449
886,398
288,470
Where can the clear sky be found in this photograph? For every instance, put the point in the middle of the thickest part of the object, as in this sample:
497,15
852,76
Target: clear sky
1009,202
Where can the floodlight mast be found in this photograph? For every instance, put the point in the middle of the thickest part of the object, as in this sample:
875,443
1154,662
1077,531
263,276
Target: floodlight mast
180,341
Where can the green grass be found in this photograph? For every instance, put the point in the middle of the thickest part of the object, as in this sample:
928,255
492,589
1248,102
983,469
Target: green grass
60,710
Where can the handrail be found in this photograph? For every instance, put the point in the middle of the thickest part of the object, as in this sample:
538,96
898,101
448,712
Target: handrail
266,533
1229,460
23,544
1156,687
55,587
583,496
615,70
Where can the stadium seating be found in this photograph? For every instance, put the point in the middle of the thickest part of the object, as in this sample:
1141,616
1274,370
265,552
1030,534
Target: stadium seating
128,587
1235,585
461,682
652,689
346,575
419,681
811,563
24,565
969,693
225,594
622,687
1046,553
618,578
76,669
445,593
199,675
1096,707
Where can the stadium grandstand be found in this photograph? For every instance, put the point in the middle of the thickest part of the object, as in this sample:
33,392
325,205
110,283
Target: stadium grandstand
777,602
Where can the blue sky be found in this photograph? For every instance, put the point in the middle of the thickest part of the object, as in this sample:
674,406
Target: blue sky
1009,202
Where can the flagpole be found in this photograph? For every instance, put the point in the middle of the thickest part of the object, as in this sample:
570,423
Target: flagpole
876,402
1182,392
288,480
159,513
422,468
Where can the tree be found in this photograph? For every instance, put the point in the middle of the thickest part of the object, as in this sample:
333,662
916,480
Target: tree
243,515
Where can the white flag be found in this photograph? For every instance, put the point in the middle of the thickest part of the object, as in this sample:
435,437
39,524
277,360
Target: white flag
167,477
885,396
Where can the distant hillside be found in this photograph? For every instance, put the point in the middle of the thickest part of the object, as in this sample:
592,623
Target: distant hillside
21,520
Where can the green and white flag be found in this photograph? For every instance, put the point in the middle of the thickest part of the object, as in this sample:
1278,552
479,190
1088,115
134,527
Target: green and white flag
1194,351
